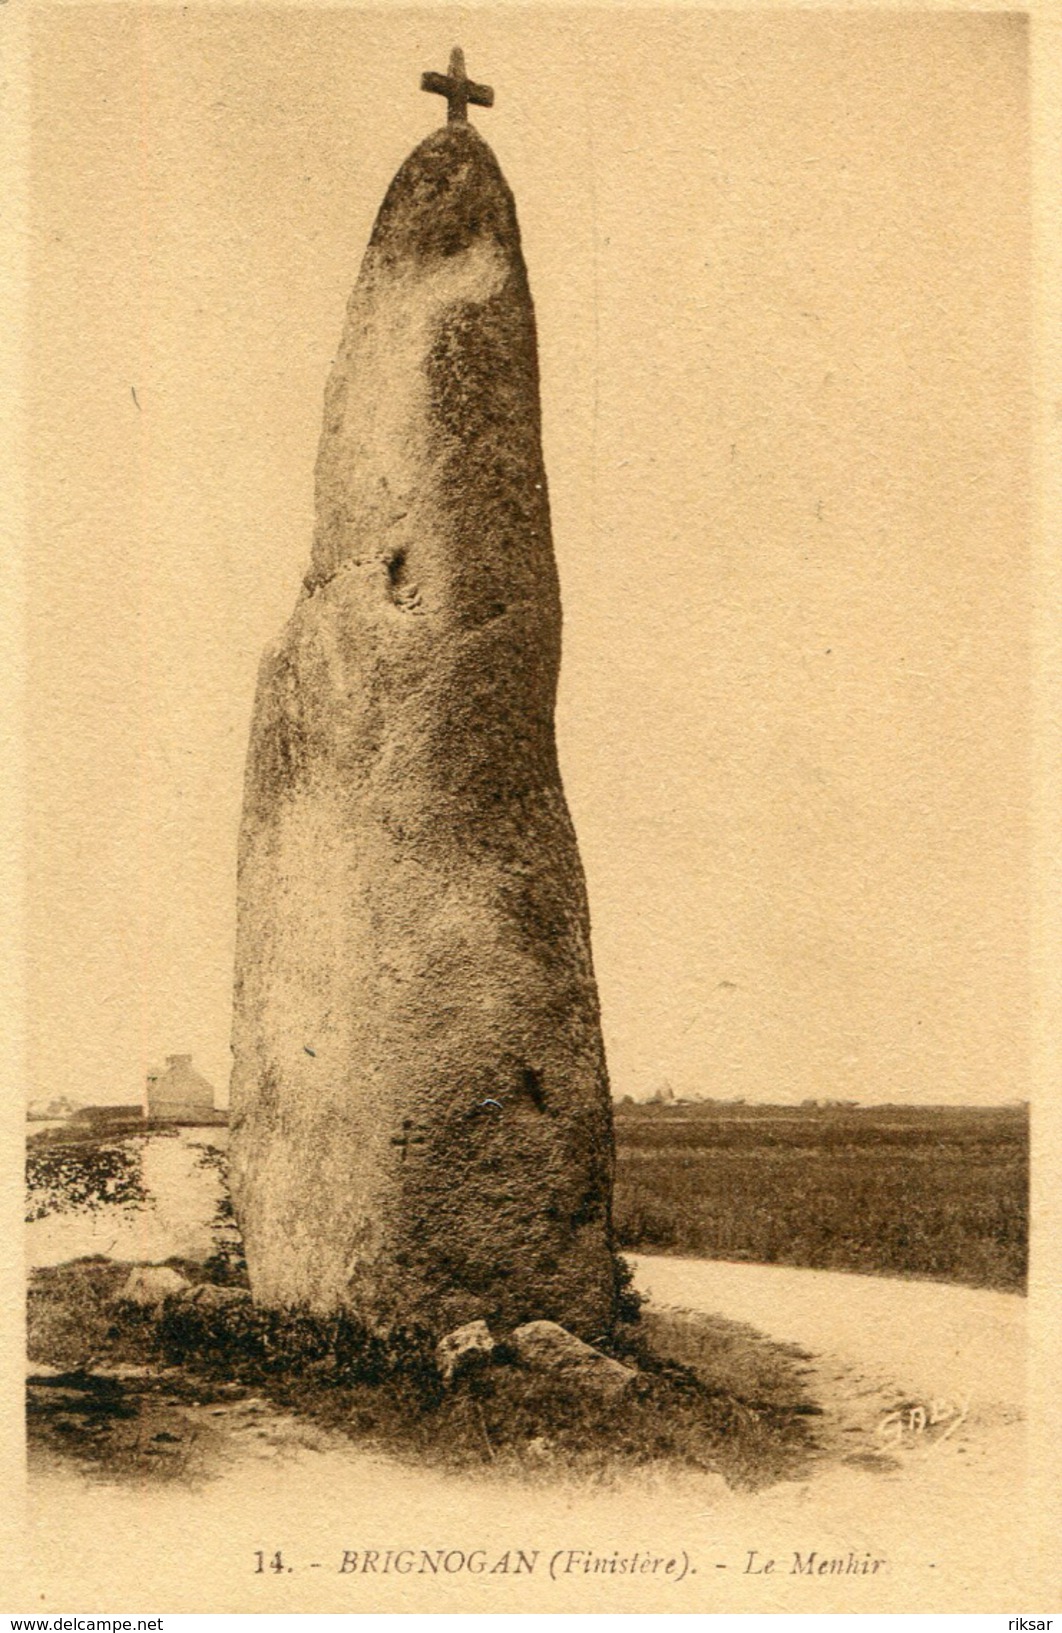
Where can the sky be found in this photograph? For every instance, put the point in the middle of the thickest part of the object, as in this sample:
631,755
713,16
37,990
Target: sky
780,263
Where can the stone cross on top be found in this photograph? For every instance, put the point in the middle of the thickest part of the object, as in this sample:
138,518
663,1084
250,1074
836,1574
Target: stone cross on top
458,89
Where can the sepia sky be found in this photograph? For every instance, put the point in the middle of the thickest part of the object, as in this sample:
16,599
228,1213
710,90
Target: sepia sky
780,267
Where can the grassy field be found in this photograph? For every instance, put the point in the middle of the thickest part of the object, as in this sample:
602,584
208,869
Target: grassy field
936,1191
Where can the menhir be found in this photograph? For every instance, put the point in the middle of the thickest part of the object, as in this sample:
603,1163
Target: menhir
421,1123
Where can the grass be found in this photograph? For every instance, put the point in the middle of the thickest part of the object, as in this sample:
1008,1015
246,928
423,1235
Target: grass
938,1192
387,1394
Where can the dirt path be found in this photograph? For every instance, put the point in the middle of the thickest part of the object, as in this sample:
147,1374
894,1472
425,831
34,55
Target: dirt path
952,1347
923,1390
936,1498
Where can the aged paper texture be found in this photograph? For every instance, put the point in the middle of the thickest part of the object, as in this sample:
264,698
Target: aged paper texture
795,277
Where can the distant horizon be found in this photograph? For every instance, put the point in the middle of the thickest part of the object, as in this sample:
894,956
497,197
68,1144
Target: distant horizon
822,1102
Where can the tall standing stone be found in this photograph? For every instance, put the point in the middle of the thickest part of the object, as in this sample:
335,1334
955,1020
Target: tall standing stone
421,1123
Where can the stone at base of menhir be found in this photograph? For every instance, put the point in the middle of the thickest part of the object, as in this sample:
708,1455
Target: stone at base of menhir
544,1346
465,1347
149,1285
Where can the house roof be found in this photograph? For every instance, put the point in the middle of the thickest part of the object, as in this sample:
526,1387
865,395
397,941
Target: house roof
181,1081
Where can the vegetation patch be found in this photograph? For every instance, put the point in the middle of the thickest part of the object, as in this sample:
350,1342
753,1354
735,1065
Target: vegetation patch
335,1377
937,1191
74,1174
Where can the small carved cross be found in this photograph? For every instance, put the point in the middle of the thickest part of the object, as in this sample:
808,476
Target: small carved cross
407,1137
458,89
